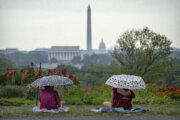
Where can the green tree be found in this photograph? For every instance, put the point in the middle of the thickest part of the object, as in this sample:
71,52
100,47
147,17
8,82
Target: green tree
70,69
94,75
141,52
90,80
76,60
97,59
173,76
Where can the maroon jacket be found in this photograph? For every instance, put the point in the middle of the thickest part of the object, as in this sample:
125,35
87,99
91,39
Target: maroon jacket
49,99
119,102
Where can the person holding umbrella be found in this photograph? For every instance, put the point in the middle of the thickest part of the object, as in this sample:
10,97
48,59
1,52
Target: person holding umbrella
49,99
122,92
121,98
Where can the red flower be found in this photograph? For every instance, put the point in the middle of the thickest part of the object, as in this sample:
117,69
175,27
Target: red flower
32,64
64,71
76,81
36,75
59,73
87,90
22,71
26,78
75,77
30,69
12,74
71,76
52,72
172,88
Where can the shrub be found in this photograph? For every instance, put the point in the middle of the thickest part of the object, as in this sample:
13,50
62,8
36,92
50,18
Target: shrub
90,96
74,101
98,101
30,92
11,91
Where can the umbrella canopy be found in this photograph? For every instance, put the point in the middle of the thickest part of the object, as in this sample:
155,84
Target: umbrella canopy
53,80
126,81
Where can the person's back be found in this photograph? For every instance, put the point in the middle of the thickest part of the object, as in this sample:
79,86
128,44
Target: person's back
49,99
122,98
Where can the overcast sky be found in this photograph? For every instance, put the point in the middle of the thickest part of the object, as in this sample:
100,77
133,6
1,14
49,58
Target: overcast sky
30,24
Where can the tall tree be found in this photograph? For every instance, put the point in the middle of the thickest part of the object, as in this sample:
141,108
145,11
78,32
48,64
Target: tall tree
142,51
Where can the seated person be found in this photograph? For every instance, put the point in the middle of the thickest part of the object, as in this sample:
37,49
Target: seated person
120,98
49,99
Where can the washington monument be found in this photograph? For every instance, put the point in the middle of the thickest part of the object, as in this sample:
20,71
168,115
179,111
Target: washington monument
89,47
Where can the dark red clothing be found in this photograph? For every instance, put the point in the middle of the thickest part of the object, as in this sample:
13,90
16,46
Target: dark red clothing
49,99
119,102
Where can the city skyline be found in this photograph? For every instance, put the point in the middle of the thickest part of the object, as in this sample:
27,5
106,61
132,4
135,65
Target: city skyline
27,25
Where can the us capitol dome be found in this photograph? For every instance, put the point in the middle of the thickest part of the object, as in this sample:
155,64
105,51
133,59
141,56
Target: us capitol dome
102,45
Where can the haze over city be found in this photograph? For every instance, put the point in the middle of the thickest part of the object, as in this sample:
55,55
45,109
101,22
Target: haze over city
31,24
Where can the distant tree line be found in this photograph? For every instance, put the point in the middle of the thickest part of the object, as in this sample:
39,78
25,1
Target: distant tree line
22,59
93,59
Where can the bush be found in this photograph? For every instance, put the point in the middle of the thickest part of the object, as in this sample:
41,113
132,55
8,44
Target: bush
11,91
98,101
31,92
90,96
74,101
71,94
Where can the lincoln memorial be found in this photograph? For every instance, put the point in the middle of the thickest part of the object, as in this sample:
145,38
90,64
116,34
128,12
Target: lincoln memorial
63,53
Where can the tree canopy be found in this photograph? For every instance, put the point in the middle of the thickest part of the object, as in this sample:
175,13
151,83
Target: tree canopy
142,51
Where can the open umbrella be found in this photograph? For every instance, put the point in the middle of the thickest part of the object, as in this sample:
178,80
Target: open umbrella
53,80
126,81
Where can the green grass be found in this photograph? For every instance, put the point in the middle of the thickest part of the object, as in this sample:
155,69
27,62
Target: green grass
18,100
84,110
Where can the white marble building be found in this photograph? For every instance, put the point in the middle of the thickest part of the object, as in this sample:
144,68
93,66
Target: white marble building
63,53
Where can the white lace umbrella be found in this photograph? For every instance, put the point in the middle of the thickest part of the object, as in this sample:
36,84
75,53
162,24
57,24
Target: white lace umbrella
126,81
53,80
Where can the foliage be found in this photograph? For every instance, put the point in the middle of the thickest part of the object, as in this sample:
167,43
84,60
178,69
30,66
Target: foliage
94,75
89,97
5,63
172,92
11,91
25,77
93,59
22,59
173,76
94,91
141,52
76,95
31,92
76,60
70,69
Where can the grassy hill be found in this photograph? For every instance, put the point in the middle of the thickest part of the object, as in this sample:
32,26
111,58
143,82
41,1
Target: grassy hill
4,64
